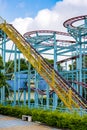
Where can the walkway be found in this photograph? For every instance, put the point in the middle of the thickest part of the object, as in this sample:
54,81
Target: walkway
11,123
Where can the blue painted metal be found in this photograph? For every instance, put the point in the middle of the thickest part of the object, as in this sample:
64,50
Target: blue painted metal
23,78
3,71
42,84
36,93
19,78
55,97
80,34
24,97
55,101
15,57
80,68
29,78
1,95
43,43
47,99
77,67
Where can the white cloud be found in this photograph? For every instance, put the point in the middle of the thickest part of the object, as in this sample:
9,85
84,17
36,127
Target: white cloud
22,25
76,2
52,19
46,19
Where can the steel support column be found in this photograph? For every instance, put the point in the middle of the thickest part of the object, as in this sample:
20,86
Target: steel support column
36,87
55,97
4,60
18,78
47,99
24,96
15,58
80,64
29,89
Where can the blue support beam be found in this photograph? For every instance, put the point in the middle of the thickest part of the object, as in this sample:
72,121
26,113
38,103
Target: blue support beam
47,99
77,68
29,78
19,78
55,97
15,58
80,68
36,92
3,71
24,97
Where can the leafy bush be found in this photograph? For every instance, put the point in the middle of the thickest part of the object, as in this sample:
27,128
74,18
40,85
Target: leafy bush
71,121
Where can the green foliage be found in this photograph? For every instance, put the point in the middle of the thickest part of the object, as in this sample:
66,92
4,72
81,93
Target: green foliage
73,66
60,68
63,120
24,65
3,78
50,61
1,64
84,63
10,65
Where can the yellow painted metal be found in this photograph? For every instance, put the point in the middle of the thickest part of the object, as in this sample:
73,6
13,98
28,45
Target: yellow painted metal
53,77
39,68
69,98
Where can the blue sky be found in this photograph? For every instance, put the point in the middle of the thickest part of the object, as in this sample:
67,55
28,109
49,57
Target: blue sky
28,15
12,9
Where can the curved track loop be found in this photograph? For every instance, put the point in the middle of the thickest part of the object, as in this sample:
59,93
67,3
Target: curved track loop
69,22
31,33
28,34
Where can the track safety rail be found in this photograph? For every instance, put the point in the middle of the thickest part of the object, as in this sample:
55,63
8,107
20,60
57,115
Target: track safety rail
62,88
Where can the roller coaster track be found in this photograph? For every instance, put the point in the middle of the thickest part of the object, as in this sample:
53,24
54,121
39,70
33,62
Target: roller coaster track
84,85
75,31
71,58
31,37
28,34
70,22
62,88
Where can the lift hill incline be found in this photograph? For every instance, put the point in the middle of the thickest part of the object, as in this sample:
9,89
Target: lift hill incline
61,87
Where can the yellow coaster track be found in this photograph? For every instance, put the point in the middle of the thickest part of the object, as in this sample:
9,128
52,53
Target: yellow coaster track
61,87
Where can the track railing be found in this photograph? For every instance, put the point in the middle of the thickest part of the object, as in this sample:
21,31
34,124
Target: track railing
62,88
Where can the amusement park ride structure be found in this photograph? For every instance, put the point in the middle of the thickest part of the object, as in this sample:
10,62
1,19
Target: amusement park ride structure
68,85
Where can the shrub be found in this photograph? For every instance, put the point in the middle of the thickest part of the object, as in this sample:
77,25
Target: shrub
72,121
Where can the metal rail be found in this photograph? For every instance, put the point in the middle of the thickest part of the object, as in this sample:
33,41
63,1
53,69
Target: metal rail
28,34
70,58
79,83
70,22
